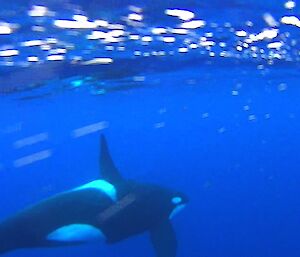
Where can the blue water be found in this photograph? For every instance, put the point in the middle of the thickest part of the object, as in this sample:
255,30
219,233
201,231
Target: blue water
223,130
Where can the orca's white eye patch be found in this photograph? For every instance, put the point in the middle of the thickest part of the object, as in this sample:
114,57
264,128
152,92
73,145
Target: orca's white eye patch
176,200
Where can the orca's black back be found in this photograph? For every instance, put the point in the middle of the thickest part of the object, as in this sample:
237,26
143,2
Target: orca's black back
30,227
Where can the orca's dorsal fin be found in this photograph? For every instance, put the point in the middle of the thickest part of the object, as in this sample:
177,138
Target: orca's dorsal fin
107,167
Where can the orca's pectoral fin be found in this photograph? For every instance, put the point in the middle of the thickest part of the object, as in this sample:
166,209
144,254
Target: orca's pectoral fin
108,169
164,240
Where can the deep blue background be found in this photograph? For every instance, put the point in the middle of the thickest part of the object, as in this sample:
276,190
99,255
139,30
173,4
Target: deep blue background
242,176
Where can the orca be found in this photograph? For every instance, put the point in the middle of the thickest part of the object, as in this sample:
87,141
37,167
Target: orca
110,209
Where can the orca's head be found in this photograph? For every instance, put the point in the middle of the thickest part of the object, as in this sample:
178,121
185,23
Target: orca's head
177,202
165,201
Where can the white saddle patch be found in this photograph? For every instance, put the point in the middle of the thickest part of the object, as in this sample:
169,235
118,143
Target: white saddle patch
76,233
102,186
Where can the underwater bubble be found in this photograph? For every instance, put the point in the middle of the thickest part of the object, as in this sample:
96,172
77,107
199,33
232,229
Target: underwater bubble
290,5
252,117
162,110
267,116
159,125
147,39
221,130
246,107
168,39
241,33
55,57
37,28
275,45
260,67
98,61
8,53
194,24
38,11
5,29
239,48
77,83
135,17
234,92
181,14
183,50
139,78
205,115
282,87
32,59
290,20
270,20
135,9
